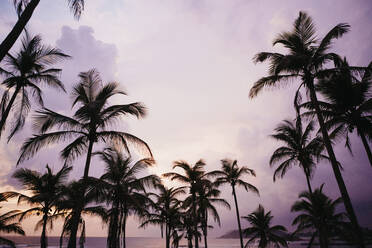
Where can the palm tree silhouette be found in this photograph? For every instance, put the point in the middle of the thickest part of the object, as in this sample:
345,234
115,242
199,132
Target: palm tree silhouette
232,174
306,60
318,212
88,125
25,10
262,230
6,218
299,149
46,192
24,73
347,106
77,200
207,198
123,189
194,176
166,210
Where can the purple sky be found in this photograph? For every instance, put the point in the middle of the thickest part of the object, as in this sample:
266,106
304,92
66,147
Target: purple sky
190,62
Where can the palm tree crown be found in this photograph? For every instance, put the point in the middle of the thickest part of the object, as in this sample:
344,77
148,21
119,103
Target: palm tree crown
24,73
123,190
262,230
89,123
318,212
46,191
299,149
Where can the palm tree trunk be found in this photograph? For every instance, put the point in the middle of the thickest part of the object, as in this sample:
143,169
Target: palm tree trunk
124,231
366,146
238,217
167,234
12,37
7,110
43,238
195,222
307,174
75,223
336,170
205,219
311,241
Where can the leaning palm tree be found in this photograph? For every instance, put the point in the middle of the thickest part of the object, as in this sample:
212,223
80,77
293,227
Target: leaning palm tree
77,201
88,125
46,192
123,189
24,73
194,176
7,224
25,9
307,59
348,104
299,149
318,212
262,230
232,174
166,211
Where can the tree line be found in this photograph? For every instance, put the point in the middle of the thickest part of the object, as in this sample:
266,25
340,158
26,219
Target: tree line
180,212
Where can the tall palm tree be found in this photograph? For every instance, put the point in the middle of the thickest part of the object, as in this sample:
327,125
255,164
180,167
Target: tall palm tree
46,191
299,149
123,189
318,212
348,104
88,125
25,9
7,224
24,73
306,59
78,198
207,199
232,174
262,230
166,211
194,176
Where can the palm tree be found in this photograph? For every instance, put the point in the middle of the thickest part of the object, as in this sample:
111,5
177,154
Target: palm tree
5,226
24,72
306,60
232,174
347,107
76,201
207,198
318,212
166,211
88,125
123,189
194,176
25,9
262,230
46,192
299,149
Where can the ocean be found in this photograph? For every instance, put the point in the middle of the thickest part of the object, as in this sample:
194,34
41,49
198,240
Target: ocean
100,242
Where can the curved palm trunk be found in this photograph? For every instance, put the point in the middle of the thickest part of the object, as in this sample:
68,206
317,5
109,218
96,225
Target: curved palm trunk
336,170
43,238
124,231
7,110
76,219
238,217
366,146
12,37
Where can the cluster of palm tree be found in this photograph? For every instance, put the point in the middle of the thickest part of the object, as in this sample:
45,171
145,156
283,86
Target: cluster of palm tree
345,107
339,98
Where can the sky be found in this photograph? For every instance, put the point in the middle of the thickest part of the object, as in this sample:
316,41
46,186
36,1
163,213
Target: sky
190,63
